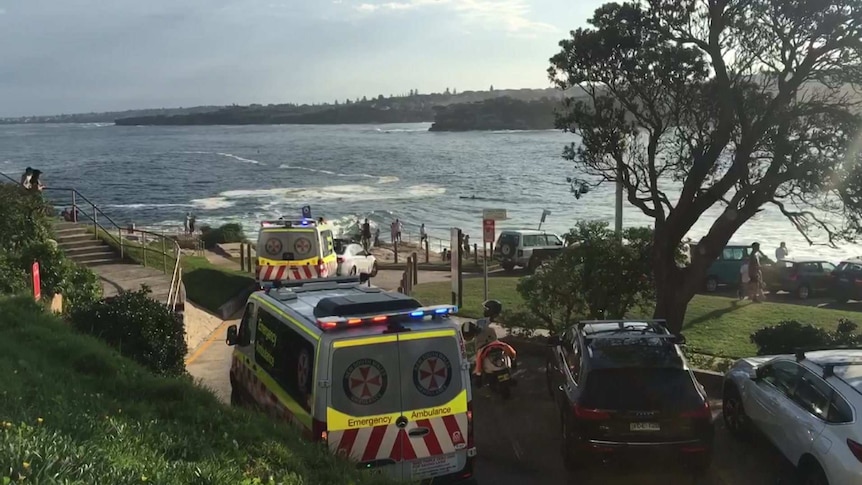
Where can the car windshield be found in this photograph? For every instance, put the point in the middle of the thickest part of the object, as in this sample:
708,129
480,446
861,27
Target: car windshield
340,246
848,266
640,389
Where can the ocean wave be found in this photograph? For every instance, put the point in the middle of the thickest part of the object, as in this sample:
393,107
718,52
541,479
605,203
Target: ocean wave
402,130
240,159
380,179
143,206
346,193
213,203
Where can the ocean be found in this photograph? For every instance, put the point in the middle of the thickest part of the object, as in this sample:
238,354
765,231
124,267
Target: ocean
152,176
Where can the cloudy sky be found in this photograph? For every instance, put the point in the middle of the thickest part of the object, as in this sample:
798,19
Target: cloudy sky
63,56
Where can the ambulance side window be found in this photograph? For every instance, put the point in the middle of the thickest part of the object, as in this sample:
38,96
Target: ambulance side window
245,330
328,245
286,356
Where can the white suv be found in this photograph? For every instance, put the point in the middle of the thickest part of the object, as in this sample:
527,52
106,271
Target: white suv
526,248
807,405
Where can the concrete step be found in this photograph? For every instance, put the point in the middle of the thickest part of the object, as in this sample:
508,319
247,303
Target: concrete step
71,231
97,253
68,236
81,249
80,243
100,262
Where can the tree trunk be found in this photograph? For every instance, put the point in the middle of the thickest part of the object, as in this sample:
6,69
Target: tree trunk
673,288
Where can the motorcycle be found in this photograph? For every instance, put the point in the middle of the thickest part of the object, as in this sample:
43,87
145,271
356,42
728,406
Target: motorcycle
495,359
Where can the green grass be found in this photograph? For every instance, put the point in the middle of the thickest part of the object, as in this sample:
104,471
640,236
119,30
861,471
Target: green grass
74,411
714,325
212,286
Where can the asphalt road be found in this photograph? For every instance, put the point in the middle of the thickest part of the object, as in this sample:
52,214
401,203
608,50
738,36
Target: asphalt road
519,440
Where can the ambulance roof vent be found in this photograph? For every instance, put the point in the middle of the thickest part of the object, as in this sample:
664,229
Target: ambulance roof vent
364,304
282,294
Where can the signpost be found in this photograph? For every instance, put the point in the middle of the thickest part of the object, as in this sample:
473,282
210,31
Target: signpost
455,268
37,281
306,212
489,218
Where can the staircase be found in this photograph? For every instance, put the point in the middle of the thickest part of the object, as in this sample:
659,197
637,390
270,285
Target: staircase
82,246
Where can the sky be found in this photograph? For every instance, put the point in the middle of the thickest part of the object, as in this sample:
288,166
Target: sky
70,56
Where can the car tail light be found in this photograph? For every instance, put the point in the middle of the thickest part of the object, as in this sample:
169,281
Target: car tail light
703,412
470,425
855,448
588,414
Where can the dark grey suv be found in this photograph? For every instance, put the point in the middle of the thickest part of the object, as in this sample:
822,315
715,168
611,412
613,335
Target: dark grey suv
626,394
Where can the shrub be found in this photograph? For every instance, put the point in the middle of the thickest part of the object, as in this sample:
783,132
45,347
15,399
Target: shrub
139,328
80,288
228,233
789,335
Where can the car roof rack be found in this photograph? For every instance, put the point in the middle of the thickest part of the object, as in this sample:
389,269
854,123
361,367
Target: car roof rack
314,284
659,326
365,304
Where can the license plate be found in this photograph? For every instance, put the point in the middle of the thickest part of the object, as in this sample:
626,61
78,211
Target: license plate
434,466
645,427
503,377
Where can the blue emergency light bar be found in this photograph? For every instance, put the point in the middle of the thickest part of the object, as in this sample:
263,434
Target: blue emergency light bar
333,323
289,223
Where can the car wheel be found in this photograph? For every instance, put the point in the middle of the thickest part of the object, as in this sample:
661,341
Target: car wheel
374,269
507,250
733,412
711,284
353,271
533,264
813,475
803,292
508,266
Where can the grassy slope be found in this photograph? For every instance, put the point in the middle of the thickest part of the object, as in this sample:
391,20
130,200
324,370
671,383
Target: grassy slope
211,286
714,325
74,411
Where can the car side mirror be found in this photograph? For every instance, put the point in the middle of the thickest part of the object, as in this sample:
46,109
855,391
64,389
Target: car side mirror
755,374
232,335
554,340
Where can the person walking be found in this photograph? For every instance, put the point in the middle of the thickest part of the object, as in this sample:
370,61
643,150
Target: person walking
781,253
422,235
192,224
744,281
35,182
25,177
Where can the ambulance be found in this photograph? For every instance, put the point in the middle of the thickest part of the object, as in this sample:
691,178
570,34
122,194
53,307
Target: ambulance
300,249
379,378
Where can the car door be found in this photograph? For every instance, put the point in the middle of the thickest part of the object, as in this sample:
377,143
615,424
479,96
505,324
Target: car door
801,419
363,262
763,399
824,279
242,366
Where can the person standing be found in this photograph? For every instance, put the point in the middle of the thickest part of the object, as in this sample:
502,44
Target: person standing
422,235
25,177
467,244
755,273
744,281
188,222
392,232
782,252
35,183
398,229
192,224
366,234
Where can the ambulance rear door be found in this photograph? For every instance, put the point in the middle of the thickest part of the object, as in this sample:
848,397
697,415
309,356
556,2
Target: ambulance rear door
364,403
434,402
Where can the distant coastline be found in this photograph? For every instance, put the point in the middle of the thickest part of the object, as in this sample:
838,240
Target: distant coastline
503,113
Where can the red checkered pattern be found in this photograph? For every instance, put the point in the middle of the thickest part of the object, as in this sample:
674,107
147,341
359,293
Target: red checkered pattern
285,272
446,434
263,397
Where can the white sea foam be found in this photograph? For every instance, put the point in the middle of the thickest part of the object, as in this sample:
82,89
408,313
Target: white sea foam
380,179
213,203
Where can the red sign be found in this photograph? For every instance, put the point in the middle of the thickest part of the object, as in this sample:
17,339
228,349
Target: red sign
37,281
488,230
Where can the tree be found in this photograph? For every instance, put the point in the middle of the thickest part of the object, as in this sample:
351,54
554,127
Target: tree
744,103
364,99
492,88
596,276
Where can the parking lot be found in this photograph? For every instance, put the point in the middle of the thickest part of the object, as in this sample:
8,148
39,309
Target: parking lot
519,443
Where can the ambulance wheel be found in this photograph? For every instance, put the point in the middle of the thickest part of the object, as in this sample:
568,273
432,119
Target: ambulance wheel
235,397
374,269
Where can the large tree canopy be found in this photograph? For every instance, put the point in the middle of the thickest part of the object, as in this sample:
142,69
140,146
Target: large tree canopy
737,103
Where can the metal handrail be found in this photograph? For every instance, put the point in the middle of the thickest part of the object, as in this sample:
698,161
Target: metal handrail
176,274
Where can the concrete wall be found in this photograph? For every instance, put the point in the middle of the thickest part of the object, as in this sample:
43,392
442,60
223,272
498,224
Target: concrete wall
199,324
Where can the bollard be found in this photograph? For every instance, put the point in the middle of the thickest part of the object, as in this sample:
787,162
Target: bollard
144,247
427,253
476,254
415,269
242,256
120,234
248,258
395,247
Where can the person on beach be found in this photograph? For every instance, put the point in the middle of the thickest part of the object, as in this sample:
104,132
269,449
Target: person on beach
192,224
188,222
392,232
35,184
782,252
25,177
398,229
366,234
377,236
422,235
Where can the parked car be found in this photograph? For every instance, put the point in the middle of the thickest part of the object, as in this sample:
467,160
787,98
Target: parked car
800,277
725,269
353,259
847,280
526,248
625,392
807,405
